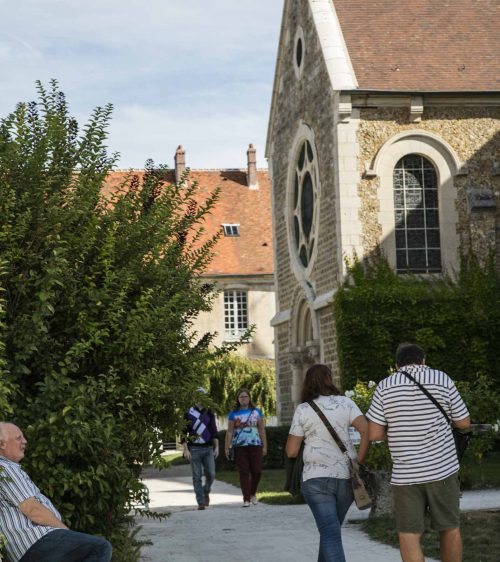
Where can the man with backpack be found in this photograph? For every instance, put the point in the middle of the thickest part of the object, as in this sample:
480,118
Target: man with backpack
201,448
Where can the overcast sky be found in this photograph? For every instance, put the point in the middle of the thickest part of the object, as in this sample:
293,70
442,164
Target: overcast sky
192,72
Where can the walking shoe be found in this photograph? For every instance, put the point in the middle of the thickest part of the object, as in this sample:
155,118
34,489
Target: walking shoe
207,500
254,500
201,507
246,504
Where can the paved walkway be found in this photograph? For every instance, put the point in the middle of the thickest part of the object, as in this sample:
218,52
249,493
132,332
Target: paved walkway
225,532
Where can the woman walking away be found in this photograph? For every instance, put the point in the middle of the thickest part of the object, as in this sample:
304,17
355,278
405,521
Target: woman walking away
246,435
326,485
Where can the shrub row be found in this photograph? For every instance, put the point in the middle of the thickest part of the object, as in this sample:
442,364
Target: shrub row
457,321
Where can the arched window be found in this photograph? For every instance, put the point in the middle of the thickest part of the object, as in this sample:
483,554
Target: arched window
416,214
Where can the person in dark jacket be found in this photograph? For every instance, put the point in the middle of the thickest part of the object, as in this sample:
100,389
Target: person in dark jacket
201,448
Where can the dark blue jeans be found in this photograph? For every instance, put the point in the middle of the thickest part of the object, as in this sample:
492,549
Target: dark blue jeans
329,500
63,545
202,461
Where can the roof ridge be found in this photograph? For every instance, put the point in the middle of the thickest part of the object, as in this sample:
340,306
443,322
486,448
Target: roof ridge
192,169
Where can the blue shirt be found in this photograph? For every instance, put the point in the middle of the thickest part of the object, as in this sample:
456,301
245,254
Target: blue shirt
246,431
21,533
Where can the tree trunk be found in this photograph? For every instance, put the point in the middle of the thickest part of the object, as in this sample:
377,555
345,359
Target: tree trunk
382,492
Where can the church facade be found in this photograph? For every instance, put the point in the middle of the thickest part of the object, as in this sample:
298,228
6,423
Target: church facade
384,133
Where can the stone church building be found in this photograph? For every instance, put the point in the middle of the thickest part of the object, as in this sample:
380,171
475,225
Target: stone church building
384,133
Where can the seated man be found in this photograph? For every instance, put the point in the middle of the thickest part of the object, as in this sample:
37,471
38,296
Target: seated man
30,523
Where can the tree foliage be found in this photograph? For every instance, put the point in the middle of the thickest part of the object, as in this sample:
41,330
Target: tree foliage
99,291
226,374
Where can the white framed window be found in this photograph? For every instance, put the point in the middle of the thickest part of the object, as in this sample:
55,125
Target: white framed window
235,314
442,213
231,229
416,216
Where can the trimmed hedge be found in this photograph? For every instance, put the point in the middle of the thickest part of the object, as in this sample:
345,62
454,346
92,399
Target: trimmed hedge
456,322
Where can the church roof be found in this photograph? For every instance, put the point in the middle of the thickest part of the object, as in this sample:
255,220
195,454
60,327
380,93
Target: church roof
423,45
250,253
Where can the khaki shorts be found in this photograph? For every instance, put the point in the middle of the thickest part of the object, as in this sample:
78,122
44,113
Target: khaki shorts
441,499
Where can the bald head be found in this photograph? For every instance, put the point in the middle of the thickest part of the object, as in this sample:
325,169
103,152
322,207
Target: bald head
12,442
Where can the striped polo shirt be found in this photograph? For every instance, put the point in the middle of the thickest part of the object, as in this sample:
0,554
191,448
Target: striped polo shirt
21,533
420,439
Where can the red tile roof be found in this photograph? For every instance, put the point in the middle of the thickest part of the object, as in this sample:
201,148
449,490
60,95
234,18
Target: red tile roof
423,45
251,253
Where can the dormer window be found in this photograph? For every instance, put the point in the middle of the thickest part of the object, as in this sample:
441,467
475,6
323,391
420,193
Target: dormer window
231,229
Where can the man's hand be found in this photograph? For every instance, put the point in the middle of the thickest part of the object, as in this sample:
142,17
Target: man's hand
40,514
186,452
216,451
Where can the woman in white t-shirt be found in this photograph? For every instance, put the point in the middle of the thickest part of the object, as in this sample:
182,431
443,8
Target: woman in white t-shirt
325,479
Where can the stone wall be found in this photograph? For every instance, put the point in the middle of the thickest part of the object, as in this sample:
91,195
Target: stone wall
310,100
473,133
349,199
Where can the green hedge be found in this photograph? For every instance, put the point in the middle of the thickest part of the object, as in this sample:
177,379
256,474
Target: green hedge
456,322
275,458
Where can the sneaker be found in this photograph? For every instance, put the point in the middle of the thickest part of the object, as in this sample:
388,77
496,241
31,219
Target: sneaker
246,504
201,507
254,500
207,500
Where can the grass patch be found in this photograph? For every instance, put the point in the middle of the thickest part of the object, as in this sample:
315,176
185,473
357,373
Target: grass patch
174,459
270,486
479,534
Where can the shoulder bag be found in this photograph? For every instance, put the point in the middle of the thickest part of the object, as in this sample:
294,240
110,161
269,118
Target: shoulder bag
293,472
361,496
461,437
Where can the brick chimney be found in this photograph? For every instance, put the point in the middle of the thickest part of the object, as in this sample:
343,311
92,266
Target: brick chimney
252,167
180,163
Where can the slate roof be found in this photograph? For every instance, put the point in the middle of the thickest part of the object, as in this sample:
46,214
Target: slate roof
423,45
249,254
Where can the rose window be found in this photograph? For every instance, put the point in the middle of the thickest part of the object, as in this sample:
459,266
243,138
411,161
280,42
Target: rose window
304,201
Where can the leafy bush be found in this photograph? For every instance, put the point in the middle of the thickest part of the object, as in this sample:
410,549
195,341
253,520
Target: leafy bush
457,323
226,374
379,456
100,290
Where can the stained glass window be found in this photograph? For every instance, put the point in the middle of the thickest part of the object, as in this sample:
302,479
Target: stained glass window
304,201
416,214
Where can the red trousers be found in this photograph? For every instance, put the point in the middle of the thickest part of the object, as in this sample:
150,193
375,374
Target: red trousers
249,464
